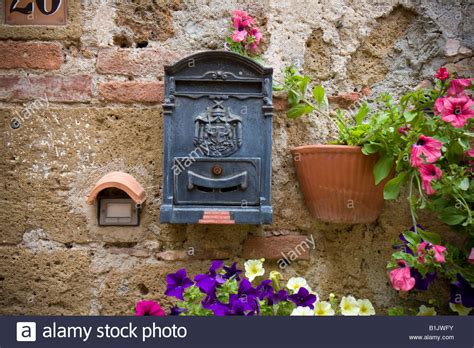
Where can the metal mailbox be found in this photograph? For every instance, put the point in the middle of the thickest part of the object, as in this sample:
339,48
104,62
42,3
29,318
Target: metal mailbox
217,140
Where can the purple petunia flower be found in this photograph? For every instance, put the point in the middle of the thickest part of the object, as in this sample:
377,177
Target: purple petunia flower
209,302
208,282
176,283
246,289
177,310
462,292
422,283
303,298
215,265
232,272
277,297
236,306
265,289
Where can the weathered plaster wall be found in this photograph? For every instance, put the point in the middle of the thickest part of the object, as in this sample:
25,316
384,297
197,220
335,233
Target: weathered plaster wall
88,96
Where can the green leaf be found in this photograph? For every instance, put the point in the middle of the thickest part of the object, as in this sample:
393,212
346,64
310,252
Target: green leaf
392,187
299,109
367,149
293,98
452,216
278,88
400,255
304,84
464,143
382,168
464,185
455,152
318,94
431,237
409,115
363,111
396,311
412,237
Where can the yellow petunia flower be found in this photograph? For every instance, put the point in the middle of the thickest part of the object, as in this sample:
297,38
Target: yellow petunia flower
349,306
323,308
253,269
302,311
366,307
295,283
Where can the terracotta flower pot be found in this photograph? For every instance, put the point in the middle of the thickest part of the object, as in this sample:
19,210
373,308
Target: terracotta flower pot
338,184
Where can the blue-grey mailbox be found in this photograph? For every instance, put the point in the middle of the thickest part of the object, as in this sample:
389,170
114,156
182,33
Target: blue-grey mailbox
217,140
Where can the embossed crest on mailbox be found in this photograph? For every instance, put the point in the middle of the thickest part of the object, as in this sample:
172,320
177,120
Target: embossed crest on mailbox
217,140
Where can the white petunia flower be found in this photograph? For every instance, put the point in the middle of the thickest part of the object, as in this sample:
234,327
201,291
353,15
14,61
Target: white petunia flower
365,307
295,283
302,311
460,309
349,306
323,308
426,311
253,269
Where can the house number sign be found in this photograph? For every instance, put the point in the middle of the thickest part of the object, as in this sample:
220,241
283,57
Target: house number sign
35,12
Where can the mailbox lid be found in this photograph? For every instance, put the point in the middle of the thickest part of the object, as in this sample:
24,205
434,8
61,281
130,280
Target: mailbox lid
211,181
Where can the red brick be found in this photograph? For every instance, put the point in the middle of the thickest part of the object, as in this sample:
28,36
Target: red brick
275,248
280,103
344,100
30,55
76,88
135,61
132,91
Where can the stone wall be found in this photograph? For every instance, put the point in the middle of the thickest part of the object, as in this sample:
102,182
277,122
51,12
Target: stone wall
87,97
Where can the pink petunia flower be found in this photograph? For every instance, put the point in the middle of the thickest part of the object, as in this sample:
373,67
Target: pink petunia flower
470,159
439,251
442,74
428,173
401,278
241,20
457,110
149,308
425,149
255,37
404,129
457,87
470,152
239,36
255,32
439,106
423,246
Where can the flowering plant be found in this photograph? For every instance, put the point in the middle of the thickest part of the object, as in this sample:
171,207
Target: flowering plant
417,261
245,35
429,143
425,139
225,291
425,136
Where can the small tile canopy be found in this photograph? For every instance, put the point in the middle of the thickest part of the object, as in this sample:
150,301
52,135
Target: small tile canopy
121,181
471,257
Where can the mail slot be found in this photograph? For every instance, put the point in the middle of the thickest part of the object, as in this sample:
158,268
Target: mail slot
217,140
